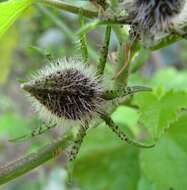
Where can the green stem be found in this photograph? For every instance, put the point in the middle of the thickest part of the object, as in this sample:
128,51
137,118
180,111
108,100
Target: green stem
166,42
70,8
122,36
86,12
33,160
104,52
112,94
83,39
115,128
121,80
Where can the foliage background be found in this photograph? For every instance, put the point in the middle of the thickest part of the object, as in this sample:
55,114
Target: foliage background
104,162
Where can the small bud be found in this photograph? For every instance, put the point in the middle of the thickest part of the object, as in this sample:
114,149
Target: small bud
65,90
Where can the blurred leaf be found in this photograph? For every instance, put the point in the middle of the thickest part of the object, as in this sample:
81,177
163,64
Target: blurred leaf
13,125
8,44
168,77
166,164
157,113
10,11
145,184
6,104
125,115
109,163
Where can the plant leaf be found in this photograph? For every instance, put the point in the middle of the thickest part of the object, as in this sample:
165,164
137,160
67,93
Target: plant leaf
10,11
166,164
108,164
158,111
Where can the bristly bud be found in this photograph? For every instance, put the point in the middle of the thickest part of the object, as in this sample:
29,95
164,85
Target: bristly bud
65,90
155,19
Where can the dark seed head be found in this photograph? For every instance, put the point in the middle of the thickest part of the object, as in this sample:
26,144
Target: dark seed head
156,18
152,12
67,91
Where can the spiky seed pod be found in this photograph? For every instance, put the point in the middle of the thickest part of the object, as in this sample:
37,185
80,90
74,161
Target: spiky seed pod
154,19
65,90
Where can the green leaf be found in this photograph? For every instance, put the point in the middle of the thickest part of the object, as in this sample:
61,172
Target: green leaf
8,45
158,111
166,164
10,11
125,116
168,77
13,125
108,163
145,184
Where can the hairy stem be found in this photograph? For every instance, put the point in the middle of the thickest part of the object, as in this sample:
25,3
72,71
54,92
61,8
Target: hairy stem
108,120
112,94
70,8
83,39
23,165
86,12
104,52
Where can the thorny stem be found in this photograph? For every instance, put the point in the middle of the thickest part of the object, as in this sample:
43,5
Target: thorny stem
104,52
36,132
112,94
86,12
78,141
70,8
27,163
83,39
108,120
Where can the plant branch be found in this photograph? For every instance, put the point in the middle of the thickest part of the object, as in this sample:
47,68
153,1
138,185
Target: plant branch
83,40
115,128
23,165
86,12
104,52
112,94
70,8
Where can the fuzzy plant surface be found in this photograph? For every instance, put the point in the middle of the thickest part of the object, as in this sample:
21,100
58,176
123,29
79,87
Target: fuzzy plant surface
80,93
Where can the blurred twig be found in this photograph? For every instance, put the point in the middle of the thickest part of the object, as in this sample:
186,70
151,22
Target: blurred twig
70,8
23,165
86,12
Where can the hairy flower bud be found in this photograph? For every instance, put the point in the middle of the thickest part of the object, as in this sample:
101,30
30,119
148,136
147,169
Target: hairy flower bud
154,19
65,90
